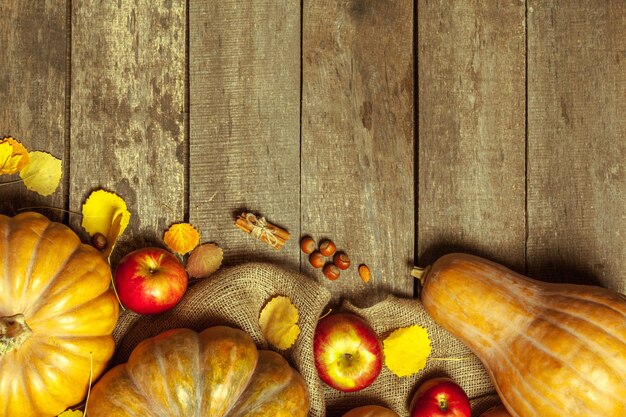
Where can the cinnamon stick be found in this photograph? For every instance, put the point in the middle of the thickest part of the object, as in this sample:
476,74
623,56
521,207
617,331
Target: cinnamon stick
262,230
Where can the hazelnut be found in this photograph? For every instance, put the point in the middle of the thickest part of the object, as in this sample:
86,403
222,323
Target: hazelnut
331,271
307,244
316,259
341,260
99,241
327,247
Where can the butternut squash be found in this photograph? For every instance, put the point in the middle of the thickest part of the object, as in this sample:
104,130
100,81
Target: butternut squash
551,350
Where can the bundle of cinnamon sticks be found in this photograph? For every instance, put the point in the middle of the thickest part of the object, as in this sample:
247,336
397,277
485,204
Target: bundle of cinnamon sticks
262,230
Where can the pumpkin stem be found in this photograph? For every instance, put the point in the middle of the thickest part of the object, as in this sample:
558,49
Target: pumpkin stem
13,333
420,273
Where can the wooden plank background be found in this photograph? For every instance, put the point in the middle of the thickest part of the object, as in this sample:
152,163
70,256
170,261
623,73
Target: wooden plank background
33,81
399,130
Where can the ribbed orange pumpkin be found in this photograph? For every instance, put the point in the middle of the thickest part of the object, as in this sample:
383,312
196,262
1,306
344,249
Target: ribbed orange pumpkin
218,372
552,350
57,313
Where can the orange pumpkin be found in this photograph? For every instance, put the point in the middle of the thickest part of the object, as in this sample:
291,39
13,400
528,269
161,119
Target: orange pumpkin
371,411
217,372
57,313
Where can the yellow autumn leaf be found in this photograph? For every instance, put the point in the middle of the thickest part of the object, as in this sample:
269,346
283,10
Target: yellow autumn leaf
71,413
13,156
99,212
279,322
43,174
406,350
181,238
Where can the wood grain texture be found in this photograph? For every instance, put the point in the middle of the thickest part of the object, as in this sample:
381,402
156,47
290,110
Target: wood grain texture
128,87
357,141
472,130
33,43
244,75
577,141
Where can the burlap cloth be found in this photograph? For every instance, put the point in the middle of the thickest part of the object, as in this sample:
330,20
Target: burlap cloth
235,295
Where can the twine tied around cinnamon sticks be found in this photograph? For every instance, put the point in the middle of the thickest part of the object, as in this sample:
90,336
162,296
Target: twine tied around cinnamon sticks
261,229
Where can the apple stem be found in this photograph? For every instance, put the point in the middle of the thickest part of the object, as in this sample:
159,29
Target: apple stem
443,403
325,314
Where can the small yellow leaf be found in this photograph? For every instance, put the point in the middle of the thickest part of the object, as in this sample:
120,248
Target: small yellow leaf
181,238
406,350
204,260
279,322
71,413
43,174
100,211
13,156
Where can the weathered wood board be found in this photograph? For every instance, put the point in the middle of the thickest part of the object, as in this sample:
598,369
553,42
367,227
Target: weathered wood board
33,70
244,75
127,111
357,141
471,71
577,141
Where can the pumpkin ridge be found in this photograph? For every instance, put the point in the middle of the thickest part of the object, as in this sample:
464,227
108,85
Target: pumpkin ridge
35,323
621,302
547,351
69,392
34,256
46,294
589,342
513,366
138,389
501,354
31,309
157,350
160,357
120,405
275,389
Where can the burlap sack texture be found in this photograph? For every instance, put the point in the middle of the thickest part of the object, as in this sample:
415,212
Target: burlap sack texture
234,296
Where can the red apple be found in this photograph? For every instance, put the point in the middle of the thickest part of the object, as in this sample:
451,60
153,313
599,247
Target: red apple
348,353
150,280
440,397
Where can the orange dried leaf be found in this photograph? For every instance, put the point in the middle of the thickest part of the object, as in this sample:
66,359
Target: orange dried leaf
43,174
13,156
406,350
279,322
204,260
181,238
100,211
